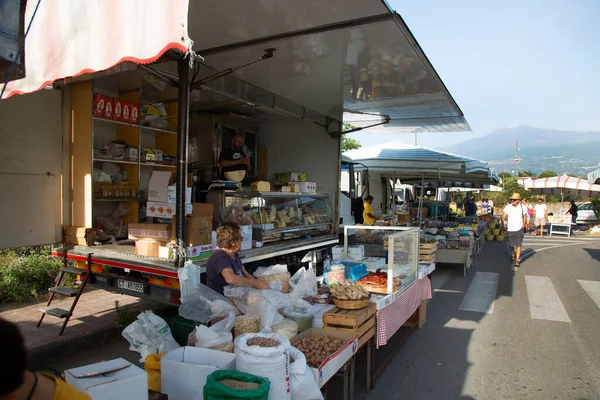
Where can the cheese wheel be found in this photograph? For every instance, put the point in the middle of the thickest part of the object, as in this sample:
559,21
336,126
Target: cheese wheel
286,189
261,186
294,187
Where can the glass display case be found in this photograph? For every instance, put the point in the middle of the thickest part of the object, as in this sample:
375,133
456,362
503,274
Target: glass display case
276,216
401,247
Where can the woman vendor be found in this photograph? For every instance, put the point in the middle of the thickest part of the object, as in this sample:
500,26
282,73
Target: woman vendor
225,267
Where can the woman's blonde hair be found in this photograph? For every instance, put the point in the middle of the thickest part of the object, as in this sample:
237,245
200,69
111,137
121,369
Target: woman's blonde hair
227,234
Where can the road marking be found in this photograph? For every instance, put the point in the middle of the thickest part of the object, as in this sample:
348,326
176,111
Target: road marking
592,288
544,302
481,295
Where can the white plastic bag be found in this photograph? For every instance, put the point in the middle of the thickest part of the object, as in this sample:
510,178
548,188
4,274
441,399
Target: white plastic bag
215,335
204,304
273,273
302,381
246,299
268,362
304,283
272,302
189,278
286,328
150,334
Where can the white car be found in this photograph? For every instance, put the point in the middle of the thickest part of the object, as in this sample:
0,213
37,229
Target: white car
585,215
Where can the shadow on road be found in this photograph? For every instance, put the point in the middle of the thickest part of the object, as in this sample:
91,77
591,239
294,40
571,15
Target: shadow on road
594,253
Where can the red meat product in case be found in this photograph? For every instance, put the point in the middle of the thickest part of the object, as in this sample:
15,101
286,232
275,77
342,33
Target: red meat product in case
109,108
118,114
134,113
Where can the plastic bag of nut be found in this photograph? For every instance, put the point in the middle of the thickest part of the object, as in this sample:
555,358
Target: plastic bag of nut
277,272
246,324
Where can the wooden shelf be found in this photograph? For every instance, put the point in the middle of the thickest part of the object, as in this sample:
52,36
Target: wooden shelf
112,124
116,200
158,130
115,161
157,165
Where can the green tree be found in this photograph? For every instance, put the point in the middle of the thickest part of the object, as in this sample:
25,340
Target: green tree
504,175
527,174
547,174
511,186
350,144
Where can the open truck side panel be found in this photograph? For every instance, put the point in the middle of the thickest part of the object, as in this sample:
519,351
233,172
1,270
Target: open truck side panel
33,169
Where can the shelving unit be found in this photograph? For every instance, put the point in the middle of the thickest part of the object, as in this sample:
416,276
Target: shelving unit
90,133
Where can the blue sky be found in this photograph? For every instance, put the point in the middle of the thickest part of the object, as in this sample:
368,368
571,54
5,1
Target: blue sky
508,63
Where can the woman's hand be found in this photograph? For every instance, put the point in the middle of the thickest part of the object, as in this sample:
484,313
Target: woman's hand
261,285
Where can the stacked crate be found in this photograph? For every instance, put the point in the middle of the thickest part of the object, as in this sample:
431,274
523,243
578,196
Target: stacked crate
427,252
361,322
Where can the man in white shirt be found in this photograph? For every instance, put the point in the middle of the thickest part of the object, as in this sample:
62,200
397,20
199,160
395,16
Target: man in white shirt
513,217
541,216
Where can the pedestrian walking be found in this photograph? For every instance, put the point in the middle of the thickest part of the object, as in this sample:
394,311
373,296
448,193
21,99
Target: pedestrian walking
514,217
541,216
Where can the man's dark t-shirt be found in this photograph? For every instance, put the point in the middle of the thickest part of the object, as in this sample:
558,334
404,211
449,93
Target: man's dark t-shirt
216,264
229,154
471,209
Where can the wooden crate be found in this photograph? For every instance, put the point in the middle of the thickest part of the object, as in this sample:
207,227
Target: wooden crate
427,247
361,322
429,258
426,252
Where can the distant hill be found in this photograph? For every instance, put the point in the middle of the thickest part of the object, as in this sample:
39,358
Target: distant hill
540,149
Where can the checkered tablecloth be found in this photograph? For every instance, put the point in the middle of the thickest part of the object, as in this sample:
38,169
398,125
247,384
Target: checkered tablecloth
392,317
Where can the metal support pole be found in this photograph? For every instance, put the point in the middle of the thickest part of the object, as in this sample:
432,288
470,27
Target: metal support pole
183,109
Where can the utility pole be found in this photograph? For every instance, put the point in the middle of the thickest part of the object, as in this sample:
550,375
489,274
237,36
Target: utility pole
517,159
415,138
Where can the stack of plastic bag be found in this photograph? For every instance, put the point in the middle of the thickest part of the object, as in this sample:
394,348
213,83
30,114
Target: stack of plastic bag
304,283
150,334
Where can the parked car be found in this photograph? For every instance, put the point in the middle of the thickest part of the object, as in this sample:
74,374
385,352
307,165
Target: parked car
585,215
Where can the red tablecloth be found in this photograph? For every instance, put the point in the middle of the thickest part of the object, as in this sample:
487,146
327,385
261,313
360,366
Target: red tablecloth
392,317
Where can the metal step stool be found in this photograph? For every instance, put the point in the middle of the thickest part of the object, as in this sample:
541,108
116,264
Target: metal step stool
66,291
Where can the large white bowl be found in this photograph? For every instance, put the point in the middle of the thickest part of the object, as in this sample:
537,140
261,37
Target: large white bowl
235,176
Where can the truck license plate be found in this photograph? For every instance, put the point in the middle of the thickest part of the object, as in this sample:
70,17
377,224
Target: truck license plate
133,286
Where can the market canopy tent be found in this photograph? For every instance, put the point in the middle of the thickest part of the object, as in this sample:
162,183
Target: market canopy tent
562,185
594,177
420,165
356,50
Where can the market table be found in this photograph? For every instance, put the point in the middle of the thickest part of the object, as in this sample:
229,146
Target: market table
560,230
456,256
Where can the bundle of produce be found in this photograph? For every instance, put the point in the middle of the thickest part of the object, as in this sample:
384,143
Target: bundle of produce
351,291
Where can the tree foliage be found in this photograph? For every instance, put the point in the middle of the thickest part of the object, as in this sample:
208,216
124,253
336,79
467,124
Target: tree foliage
504,175
350,144
547,174
528,174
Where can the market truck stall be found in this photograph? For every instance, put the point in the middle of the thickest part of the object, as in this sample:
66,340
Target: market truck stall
146,121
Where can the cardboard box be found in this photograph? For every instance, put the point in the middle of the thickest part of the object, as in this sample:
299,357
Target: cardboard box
184,371
135,113
109,108
304,187
374,263
198,253
198,231
79,236
126,111
202,210
164,210
382,300
337,360
172,194
165,252
159,186
149,231
148,247
100,106
356,253
118,115
246,237
287,177
110,380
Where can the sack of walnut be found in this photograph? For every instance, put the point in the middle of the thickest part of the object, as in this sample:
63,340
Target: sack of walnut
275,273
266,355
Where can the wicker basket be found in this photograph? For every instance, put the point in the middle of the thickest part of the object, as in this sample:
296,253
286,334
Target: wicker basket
351,304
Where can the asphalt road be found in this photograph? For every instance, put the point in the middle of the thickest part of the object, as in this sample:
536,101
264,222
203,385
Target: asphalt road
498,333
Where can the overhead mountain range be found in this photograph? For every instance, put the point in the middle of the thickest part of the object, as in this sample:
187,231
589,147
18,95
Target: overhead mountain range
540,149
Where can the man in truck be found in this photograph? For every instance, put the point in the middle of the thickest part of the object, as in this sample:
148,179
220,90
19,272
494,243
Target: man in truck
233,158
